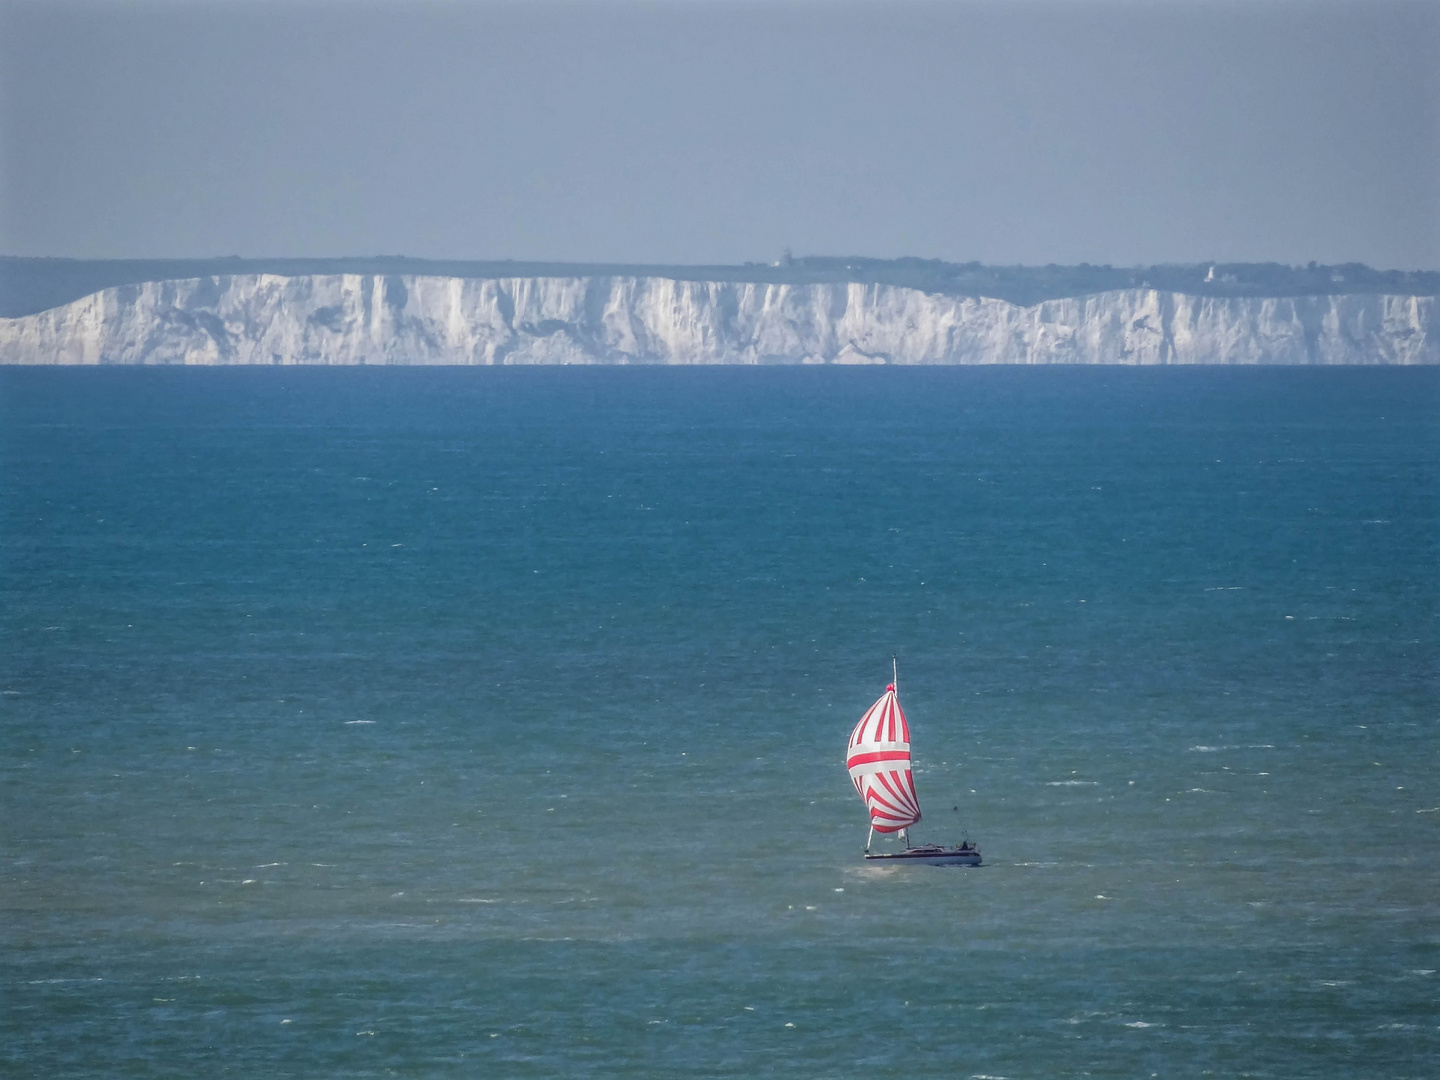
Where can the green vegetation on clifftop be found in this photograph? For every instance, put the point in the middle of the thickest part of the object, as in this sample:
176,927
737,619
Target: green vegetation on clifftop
28,285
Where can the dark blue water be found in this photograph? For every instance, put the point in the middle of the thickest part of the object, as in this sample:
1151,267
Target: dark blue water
492,723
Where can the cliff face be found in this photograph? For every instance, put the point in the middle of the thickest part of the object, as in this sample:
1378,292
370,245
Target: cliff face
366,319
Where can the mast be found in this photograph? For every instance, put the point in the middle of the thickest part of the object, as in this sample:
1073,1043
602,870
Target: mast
904,834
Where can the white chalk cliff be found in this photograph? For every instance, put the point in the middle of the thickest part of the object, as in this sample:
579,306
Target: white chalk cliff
365,319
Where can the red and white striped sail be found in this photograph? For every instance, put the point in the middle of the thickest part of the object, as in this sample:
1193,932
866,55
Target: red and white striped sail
879,762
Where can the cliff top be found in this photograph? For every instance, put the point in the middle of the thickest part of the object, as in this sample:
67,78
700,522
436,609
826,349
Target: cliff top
28,285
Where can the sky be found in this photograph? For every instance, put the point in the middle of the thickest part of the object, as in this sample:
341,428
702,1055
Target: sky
722,131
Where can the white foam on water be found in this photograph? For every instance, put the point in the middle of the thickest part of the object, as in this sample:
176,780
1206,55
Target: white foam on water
1232,746
349,722
1072,783
1138,1024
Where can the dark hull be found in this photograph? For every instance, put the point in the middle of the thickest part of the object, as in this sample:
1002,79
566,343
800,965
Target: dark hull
930,855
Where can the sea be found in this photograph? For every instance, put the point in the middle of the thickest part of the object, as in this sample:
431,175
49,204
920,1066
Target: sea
492,722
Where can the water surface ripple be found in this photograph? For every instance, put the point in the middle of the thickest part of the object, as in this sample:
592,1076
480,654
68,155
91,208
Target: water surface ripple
491,723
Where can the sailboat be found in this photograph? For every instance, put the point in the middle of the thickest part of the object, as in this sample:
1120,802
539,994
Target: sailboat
878,758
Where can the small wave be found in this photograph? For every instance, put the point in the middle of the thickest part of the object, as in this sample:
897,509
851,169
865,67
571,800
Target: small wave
349,722
1072,783
1138,1024
475,900
1230,746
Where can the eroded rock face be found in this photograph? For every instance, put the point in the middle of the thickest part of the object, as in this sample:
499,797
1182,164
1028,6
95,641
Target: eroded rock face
366,319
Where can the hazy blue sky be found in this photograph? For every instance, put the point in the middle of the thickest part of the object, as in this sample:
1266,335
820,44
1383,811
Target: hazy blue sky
682,131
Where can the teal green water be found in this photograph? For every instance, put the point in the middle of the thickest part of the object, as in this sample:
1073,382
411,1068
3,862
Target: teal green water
492,723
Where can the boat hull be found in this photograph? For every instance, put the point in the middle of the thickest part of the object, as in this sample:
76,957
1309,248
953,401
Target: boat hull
929,855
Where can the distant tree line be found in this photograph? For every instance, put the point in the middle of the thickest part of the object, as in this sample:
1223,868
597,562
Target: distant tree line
1032,284
28,285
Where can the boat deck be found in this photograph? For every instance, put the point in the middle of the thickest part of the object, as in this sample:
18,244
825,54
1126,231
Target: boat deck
930,855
